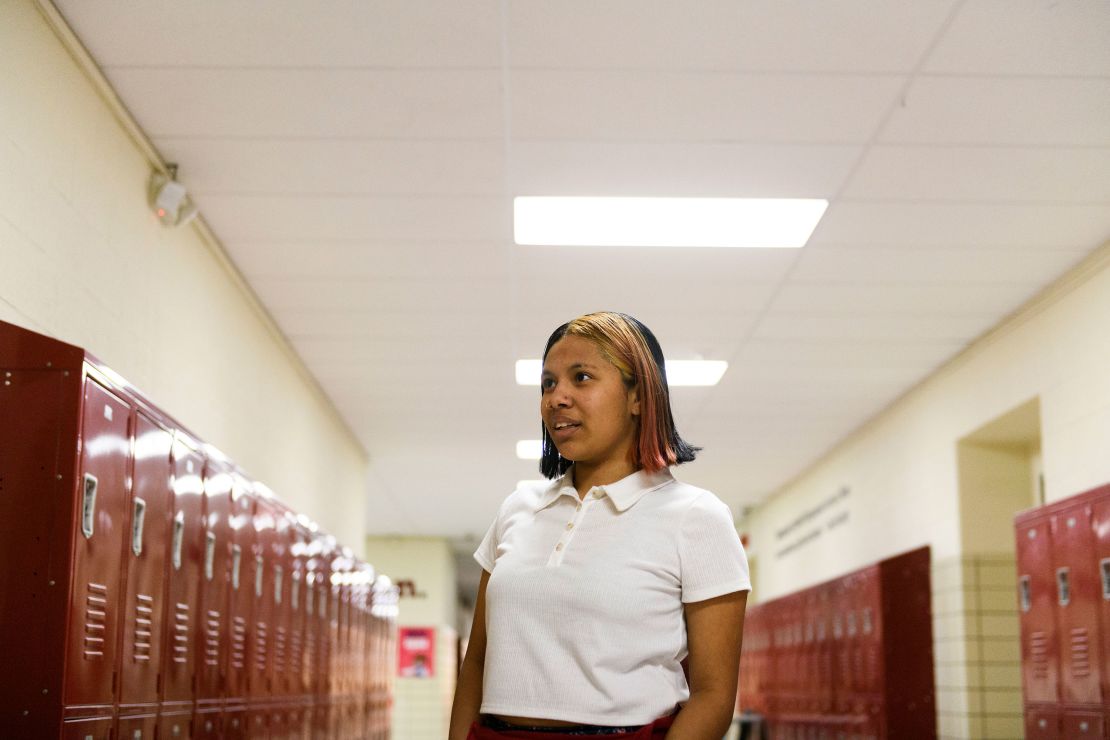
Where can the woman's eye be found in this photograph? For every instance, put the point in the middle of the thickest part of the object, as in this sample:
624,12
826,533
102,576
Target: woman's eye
580,376
547,384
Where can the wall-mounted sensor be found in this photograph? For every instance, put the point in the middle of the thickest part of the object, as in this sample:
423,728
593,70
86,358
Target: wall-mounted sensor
168,199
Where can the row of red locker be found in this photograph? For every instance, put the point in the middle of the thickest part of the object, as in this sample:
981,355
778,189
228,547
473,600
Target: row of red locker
145,575
1063,560
850,657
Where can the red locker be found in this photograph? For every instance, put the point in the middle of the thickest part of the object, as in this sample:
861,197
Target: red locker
1101,526
241,589
281,569
213,637
1080,725
140,662
175,725
263,594
185,555
93,728
208,725
1037,608
1078,595
137,727
1042,722
102,514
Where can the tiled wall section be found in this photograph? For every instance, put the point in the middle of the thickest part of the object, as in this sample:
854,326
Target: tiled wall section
422,706
977,647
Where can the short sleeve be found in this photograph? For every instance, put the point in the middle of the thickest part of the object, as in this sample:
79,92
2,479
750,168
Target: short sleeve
487,551
711,557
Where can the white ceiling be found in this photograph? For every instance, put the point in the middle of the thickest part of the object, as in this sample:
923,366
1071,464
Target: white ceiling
358,160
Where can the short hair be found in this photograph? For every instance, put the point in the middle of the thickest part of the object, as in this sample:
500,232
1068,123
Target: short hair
635,352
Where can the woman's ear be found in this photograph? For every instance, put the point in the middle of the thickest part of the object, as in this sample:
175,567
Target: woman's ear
634,400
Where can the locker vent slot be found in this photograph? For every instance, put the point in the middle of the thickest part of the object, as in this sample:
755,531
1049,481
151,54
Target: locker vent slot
1038,653
96,621
139,516
209,555
296,651
212,638
88,505
236,561
144,620
178,538
279,650
238,642
181,633
260,639
1080,652
1104,565
1025,593
1063,586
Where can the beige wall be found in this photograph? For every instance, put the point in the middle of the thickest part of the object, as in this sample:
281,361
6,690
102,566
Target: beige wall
83,259
422,706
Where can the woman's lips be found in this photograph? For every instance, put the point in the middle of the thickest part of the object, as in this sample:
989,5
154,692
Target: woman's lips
564,433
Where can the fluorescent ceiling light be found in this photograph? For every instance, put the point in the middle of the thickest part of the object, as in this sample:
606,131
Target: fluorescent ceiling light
679,372
666,222
529,449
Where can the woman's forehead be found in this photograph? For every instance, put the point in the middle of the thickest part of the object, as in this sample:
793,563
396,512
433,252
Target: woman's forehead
571,351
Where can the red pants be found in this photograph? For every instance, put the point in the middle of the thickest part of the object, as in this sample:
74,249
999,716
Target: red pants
657,730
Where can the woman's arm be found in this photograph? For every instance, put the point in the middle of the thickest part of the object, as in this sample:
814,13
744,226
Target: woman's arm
714,632
468,691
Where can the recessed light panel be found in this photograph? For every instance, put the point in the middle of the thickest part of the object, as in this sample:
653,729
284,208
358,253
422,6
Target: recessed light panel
666,222
529,449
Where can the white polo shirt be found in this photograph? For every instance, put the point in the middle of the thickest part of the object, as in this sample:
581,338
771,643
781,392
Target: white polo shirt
584,616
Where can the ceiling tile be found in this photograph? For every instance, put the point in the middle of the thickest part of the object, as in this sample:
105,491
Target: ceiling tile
915,224
698,106
289,33
365,260
982,174
1002,111
870,326
921,299
340,103
330,166
791,35
670,168
1028,37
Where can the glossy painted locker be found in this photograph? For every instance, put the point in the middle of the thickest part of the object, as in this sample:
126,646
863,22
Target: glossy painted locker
905,620
1101,527
185,574
281,571
213,635
208,724
1037,608
38,468
241,590
1042,723
102,512
1078,595
88,729
137,727
1080,725
148,530
175,725
263,597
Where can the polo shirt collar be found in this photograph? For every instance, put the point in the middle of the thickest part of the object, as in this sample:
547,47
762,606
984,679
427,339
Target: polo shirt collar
623,493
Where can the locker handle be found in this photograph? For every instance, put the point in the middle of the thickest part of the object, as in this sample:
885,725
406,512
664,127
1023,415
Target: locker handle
1104,565
178,538
258,566
209,555
88,505
295,589
236,560
1025,593
279,576
137,521
1063,586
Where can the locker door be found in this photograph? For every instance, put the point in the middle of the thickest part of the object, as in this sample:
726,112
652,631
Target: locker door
140,727
1078,595
147,533
264,595
243,583
281,570
212,638
1101,517
1081,726
186,571
298,582
87,729
102,499
1042,723
1037,610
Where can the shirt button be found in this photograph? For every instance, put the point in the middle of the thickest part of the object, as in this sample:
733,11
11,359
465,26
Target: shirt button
570,525
578,508
558,547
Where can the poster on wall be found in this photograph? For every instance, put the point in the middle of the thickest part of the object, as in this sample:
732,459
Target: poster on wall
416,652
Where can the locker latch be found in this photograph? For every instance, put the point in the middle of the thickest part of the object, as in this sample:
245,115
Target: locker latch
88,505
137,526
1063,586
1025,593
1104,565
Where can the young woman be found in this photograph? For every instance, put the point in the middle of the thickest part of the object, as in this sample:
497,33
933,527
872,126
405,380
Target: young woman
597,586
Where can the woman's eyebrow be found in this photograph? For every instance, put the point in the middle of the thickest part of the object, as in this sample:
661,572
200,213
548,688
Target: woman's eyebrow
575,366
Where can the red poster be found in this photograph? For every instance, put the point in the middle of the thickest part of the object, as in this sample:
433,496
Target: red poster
416,647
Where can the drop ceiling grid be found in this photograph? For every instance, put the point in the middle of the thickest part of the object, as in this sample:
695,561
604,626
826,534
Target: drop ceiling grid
356,163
